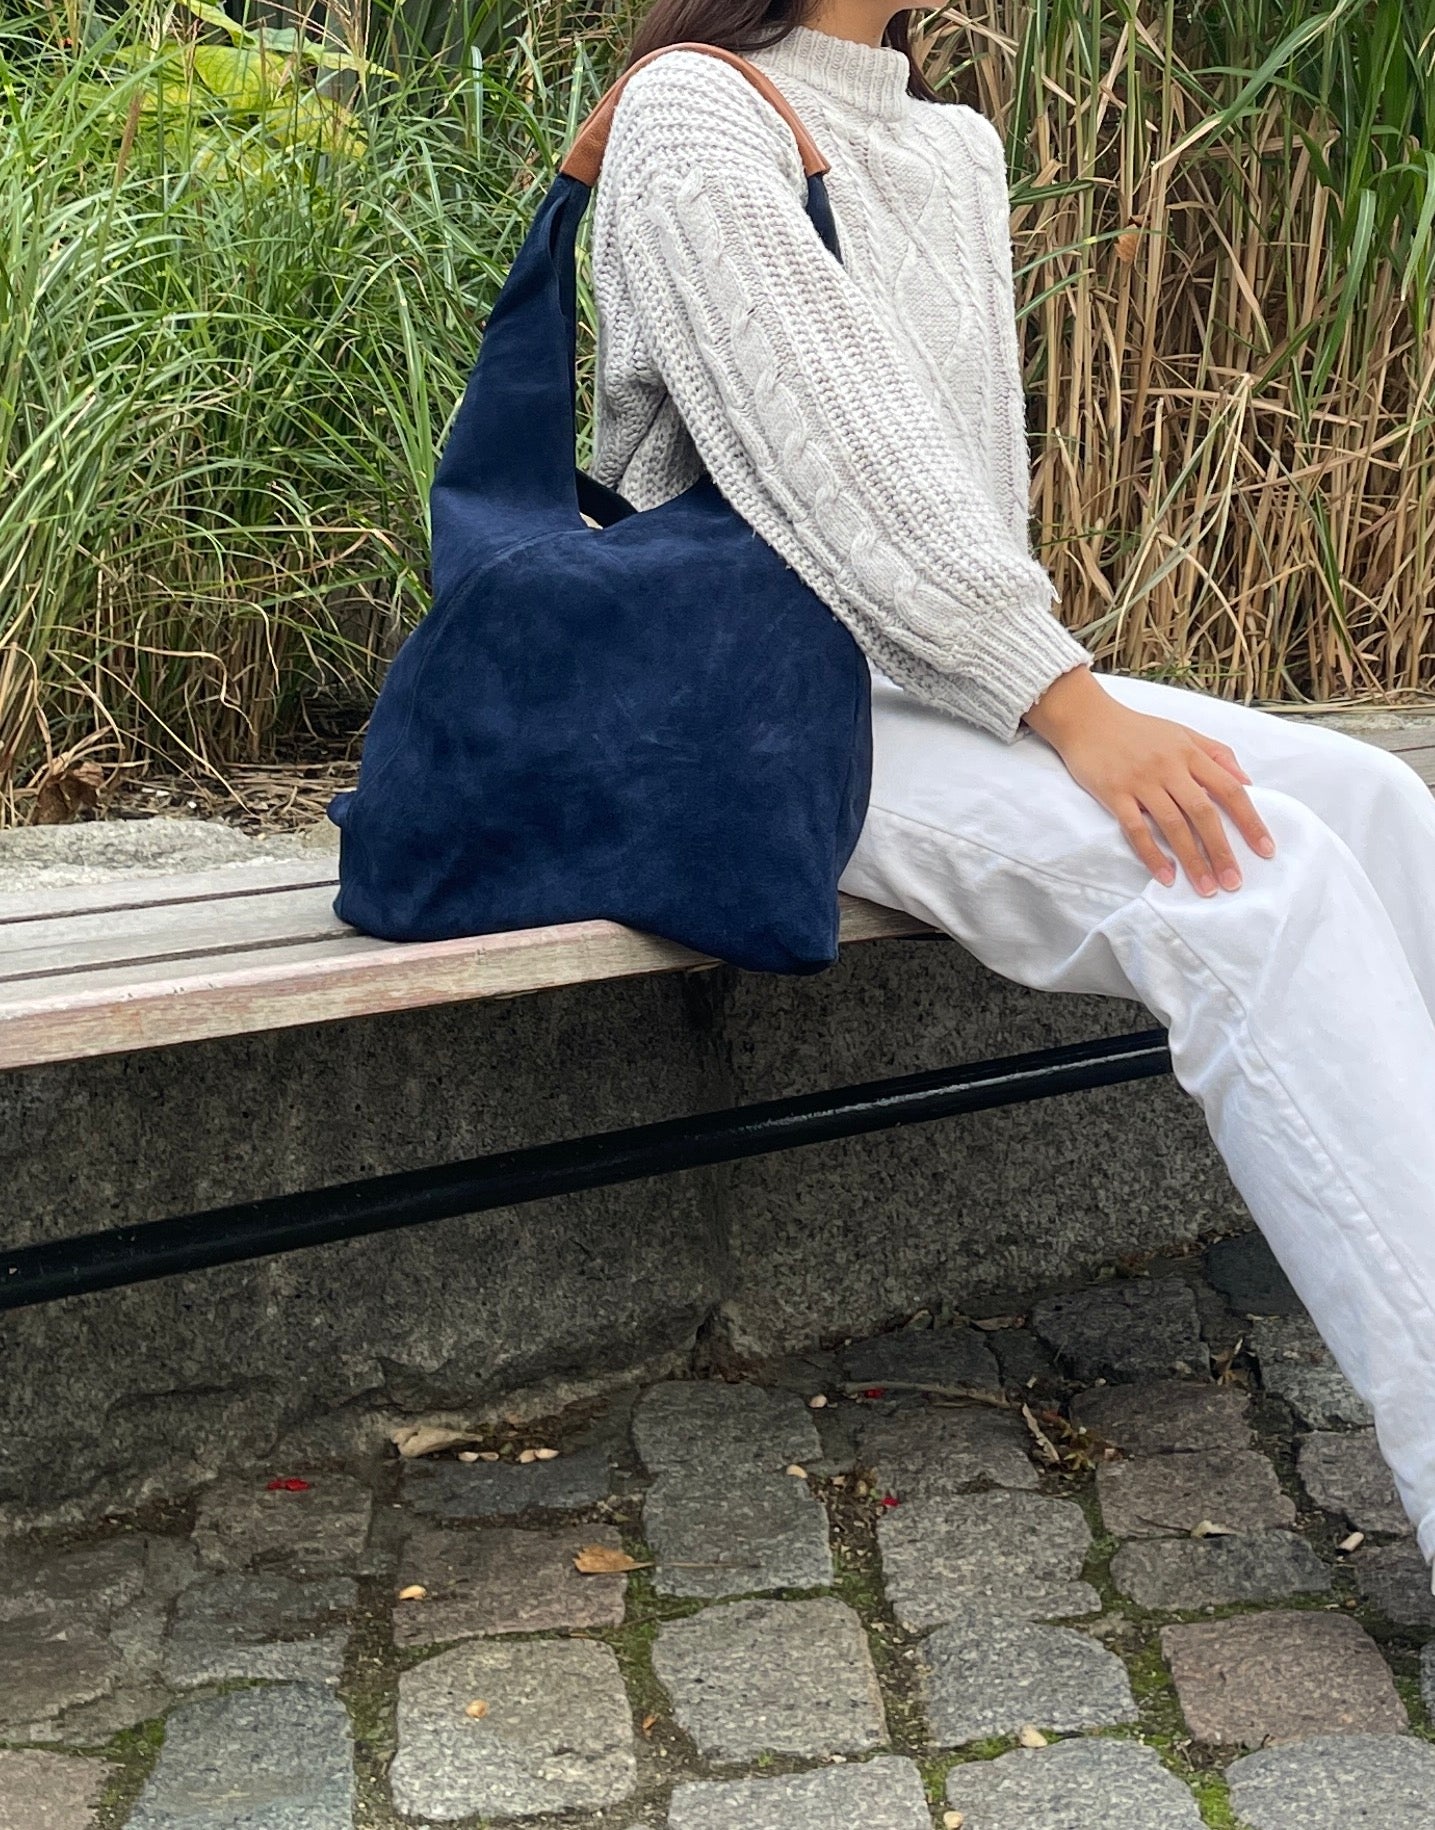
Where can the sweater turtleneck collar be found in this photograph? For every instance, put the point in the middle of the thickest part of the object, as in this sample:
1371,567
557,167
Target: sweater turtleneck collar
869,78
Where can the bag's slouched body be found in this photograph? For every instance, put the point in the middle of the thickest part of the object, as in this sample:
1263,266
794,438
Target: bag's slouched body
652,721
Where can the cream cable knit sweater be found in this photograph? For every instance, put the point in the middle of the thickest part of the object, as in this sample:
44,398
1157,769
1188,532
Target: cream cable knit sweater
866,419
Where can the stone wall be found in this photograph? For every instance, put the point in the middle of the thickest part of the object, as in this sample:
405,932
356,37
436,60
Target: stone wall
110,1399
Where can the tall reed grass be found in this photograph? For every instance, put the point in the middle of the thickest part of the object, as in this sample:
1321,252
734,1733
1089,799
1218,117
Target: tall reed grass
229,347
1225,220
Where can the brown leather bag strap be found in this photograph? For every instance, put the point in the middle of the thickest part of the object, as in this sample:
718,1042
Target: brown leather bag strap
585,158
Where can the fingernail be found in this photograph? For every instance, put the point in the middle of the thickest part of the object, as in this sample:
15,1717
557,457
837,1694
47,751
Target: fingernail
1266,847
1206,886
1230,880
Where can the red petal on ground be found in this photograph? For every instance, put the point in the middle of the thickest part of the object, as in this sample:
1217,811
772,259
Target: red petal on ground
288,1486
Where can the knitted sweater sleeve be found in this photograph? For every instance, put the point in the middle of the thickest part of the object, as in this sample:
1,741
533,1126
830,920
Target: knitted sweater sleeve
801,407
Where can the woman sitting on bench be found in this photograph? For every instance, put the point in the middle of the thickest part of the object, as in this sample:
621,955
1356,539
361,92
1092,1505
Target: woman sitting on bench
1264,887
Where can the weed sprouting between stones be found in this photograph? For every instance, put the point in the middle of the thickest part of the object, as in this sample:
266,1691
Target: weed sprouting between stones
132,1754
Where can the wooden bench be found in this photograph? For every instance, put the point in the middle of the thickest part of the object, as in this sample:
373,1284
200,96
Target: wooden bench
144,963
151,962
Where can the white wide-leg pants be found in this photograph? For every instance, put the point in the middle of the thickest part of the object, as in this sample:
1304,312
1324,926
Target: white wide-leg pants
1300,1007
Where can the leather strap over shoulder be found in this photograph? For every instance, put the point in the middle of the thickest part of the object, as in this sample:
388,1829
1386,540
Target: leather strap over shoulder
585,157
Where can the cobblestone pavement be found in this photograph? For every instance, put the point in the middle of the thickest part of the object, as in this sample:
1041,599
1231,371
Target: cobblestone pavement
1128,1561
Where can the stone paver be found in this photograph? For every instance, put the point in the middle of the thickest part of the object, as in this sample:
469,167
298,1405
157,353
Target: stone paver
278,1758
47,1668
259,1626
1222,1328
1395,1578
882,1794
978,1557
1296,1365
1159,1495
712,1427
1143,1328
48,1791
1384,1781
1072,1785
502,1490
723,1516
557,1734
1345,1472
321,1530
498,1579
1279,1677
1245,1271
780,1677
923,1453
86,1584
80,1633
715,1536
1017,1550
205,1658
1021,1357
990,1674
941,1358
1183,1573
1165,1415
90,1724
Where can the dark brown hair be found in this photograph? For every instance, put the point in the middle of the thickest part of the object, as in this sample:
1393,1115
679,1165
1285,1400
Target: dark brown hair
753,25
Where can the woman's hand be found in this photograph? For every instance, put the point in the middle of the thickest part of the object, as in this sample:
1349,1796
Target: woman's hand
1137,765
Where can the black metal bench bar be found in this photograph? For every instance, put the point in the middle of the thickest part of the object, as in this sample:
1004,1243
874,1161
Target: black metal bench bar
351,1210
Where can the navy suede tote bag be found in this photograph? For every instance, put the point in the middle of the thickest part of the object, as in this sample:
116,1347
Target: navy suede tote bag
652,721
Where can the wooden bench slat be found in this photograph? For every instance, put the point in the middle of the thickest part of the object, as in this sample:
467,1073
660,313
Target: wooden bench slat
22,908
1414,743
111,1010
169,931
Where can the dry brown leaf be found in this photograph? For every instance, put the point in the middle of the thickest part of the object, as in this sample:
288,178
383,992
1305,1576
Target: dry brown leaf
796,1470
1031,1737
527,1455
991,1323
468,1455
1353,1542
1078,1449
1127,243
545,1455
603,1560
414,1592
478,1709
489,1455
648,1724
67,789
1208,1530
1223,1363
952,1820
1045,1446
